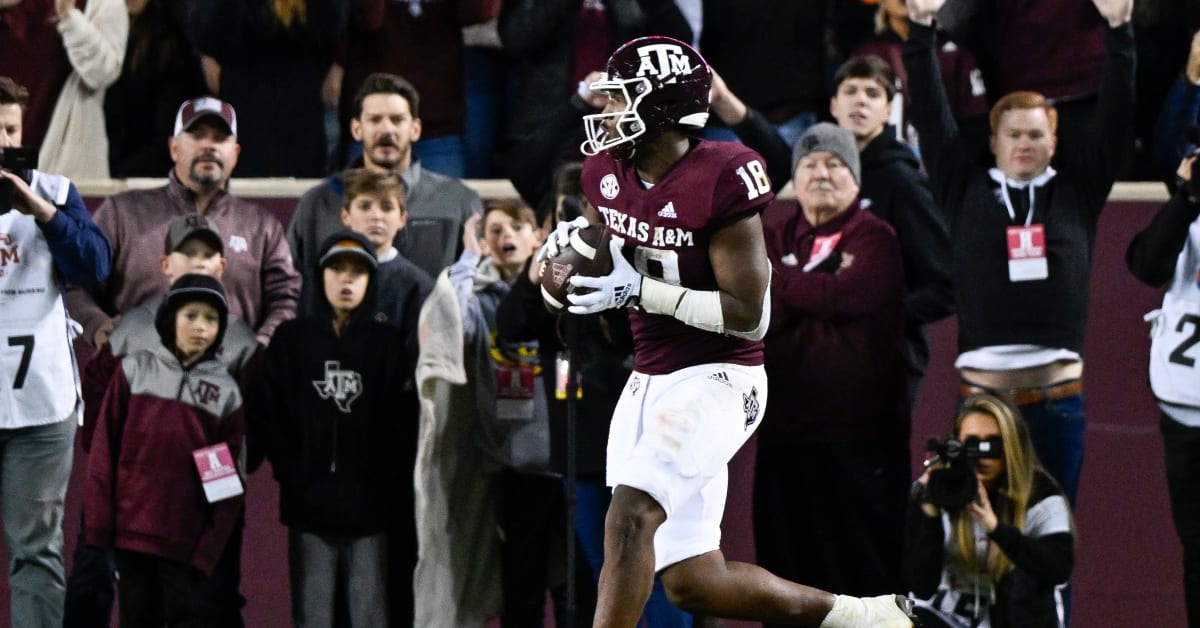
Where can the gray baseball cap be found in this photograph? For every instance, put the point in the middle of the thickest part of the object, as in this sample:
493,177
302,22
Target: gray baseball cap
193,226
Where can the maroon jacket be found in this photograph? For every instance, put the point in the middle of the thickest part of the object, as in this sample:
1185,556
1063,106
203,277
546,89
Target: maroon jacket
260,282
32,54
834,350
143,492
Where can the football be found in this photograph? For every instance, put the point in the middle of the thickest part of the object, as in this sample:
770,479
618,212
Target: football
585,254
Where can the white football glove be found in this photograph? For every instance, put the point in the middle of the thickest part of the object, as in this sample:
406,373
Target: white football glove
559,238
620,288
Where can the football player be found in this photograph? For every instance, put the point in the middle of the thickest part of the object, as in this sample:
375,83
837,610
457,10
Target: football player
696,275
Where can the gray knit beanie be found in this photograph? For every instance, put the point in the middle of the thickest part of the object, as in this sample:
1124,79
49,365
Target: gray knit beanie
832,138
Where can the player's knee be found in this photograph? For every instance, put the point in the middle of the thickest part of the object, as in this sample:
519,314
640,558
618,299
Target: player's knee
633,517
685,592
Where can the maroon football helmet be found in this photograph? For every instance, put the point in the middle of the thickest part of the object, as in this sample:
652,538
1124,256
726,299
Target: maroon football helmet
664,85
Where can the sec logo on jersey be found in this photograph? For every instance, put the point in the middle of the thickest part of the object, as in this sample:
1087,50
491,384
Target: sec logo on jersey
609,188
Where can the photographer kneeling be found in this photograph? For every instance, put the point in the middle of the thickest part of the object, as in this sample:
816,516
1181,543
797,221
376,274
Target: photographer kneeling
989,533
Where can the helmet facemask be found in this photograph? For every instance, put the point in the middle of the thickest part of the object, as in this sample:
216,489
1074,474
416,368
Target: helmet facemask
629,125
665,86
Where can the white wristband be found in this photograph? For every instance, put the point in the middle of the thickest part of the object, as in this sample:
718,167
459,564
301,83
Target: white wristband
698,308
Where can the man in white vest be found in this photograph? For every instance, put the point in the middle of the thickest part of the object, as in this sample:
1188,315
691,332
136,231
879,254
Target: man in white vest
47,241
1167,254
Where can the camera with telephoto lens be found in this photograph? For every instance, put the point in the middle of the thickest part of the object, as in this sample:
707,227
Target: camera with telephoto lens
21,162
954,485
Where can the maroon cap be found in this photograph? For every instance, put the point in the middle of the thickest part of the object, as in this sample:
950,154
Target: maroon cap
192,110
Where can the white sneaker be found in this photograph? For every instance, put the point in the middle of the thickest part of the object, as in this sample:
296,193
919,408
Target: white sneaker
883,611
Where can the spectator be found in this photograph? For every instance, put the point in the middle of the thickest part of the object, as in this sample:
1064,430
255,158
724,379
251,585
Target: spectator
193,246
997,560
374,208
512,431
341,437
421,40
965,89
260,54
76,140
1167,253
387,121
262,286
1023,233
459,565
168,411
49,241
836,430
159,72
892,187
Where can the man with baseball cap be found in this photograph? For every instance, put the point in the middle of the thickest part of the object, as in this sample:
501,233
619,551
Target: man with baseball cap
838,421
192,111
261,283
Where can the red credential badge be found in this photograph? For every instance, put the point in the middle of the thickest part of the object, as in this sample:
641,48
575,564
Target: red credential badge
217,472
1027,253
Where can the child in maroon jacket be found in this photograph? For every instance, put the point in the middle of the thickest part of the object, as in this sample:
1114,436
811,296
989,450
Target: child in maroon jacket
163,488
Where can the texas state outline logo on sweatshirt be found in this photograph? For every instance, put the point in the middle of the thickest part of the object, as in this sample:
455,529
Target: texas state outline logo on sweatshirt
341,385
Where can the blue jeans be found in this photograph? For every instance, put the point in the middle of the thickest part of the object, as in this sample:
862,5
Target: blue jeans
490,91
591,505
443,155
1057,430
35,464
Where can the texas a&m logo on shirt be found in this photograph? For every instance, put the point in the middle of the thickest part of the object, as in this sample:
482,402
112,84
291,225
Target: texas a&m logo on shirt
343,386
9,254
206,393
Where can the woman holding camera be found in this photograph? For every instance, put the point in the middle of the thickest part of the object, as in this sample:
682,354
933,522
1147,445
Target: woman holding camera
997,561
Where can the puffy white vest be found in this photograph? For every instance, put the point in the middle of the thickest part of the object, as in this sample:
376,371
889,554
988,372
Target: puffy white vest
39,381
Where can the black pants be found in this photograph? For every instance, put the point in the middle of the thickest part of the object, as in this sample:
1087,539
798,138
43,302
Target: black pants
1182,446
532,519
832,515
91,590
156,592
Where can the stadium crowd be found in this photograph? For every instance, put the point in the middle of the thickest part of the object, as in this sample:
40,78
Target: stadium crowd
390,357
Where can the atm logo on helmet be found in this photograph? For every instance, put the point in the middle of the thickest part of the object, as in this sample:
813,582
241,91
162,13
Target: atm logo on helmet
663,60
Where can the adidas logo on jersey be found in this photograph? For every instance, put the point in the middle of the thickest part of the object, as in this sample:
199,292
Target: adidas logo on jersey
668,211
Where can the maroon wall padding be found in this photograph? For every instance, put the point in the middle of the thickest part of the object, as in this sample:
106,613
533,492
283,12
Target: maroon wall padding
1128,568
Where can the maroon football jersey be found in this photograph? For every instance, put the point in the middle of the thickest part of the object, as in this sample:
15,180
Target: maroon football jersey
667,231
